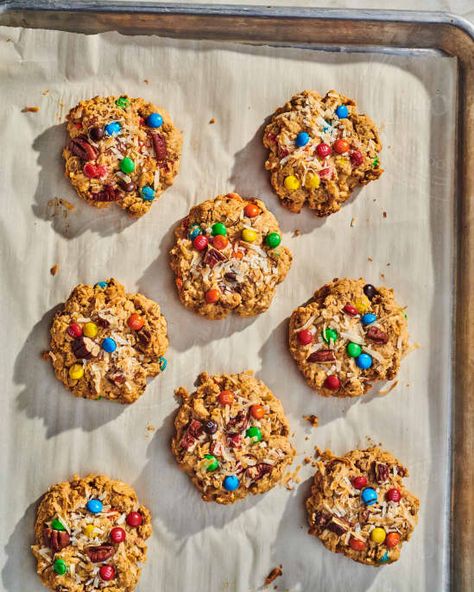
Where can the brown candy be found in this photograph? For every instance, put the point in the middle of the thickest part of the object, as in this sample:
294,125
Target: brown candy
127,187
96,133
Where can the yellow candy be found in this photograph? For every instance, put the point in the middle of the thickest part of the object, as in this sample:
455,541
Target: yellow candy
249,236
90,330
89,530
312,181
378,535
362,304
76,371
292,183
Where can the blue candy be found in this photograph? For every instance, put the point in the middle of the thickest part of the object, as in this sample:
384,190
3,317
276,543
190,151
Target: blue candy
231,483
154,120
385,558
101,285
302,139
113,128
163,363
148,193
364,361
194,232
342,111
369,496
368,318
94,506
109,345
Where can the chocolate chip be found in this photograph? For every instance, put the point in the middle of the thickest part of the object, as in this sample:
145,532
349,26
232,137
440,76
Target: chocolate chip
56,539
96,133
84,348
376,335
100,553
81,148
210,427
370,291
322,355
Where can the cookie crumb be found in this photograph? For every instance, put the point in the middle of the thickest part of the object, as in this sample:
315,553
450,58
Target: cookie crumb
388,264
388,389
58,205
384,214
45,93
306,460
30,109
274,574
297,232
149,429
313,420
291,479
369,259
352,222
146,81
382,276
54,270
45,355
212,120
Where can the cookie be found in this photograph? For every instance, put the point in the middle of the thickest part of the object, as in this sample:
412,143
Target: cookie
90,534
348,336
320,150
359,505
121,150
228,258
106,343
232,437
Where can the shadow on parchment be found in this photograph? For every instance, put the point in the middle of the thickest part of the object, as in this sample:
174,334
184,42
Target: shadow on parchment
43,396
53,184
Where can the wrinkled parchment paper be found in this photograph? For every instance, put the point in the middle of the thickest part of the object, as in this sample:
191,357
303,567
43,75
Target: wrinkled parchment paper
398,231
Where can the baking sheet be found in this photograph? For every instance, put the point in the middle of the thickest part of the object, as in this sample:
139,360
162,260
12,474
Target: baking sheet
46,434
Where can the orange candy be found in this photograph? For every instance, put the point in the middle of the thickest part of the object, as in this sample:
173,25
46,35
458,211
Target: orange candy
238,255
251,210
226,397
220,242
135,322
212,296
356,544
340,146
257,411
392,539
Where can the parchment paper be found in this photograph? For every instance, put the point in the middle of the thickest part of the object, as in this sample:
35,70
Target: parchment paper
46,434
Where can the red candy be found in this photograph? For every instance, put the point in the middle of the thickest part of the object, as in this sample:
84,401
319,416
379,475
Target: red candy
251,210
200,242
393,495
305,337
332,383
323,150
135,322
356,157
356,544
117,535
94,171
107,572
359,482
212,296
350,310
340,146
134,519
226,397
74,330
392,539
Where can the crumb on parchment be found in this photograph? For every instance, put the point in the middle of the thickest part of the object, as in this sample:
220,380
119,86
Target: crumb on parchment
275,573
33,109
313,420
54,269
297,232
212,120
45,355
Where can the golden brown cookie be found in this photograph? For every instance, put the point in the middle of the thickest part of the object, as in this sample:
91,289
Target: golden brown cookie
121,150
232,437
90,534
228,257
348,336
106,343
320,149
359,505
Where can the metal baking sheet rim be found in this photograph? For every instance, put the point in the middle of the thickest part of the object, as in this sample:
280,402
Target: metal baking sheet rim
350,30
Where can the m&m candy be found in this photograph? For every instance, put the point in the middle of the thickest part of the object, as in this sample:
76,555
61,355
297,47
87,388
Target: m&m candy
369,496
57,525
254,433
194,232
329,334
273,239
392,539
364,361
127,165
113,128
212,296
220,242
302,139
135,322
305,337
212,462
210,426
231,483
359,482
385,558
368,318
200,242
356,158
370,291
163,362
101,284
94,506
353,349
122,102
226,397
251,210
154,120
342,111
74,330
148,193
76,371
341,146
362,304
393,495
312,181
378,535
323,150
109,345
117,535
60,567
356,544
292,183
90,330
89,530
332,382
134,519
257,411
107,572
249,236
219,228
350,310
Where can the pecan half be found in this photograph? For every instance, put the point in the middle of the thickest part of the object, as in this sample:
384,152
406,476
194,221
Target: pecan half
159,145
187,441
100,553
56,539
321,519
258,471
108,193
195,428
84,348
144,337
212,257
322,355
234,441
238,423
81,148
381,472
337,525
376,335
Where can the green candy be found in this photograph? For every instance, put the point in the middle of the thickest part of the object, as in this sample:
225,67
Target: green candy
219,228
57,525
122,102
127,165
254,433
213,464
375,162
273,239
353,349
60,567
329,335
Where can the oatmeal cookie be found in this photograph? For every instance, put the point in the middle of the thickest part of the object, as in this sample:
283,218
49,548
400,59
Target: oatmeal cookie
232,437
90,534
359,505
107,343
348,336
320,149
121,150
228,257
